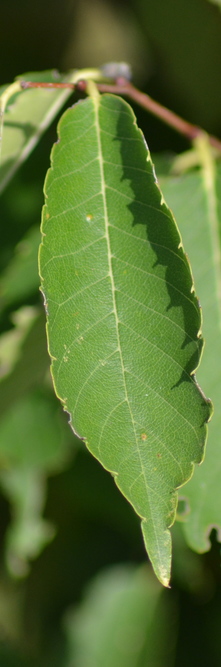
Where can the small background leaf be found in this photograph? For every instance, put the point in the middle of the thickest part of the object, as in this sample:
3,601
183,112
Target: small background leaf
11,341
216,2
33,439
120,621
123,321
27,116
28,532
20,279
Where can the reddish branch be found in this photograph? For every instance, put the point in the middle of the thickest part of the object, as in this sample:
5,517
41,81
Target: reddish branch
124,87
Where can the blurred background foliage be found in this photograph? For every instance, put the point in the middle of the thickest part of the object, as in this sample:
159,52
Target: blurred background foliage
75,587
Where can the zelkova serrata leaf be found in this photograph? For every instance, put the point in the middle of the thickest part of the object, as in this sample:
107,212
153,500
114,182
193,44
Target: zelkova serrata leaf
123,320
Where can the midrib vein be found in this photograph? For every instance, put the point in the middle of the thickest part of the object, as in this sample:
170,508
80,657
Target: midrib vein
96,101
106,221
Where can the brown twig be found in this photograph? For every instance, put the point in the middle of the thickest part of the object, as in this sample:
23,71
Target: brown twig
124,87
42,84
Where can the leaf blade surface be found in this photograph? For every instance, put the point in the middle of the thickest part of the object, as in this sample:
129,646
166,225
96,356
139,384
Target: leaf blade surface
123,322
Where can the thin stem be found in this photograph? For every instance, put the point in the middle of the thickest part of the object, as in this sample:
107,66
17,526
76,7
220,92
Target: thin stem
124,87
42,84
5,97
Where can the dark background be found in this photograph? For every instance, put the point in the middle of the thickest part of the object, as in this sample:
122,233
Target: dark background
174,47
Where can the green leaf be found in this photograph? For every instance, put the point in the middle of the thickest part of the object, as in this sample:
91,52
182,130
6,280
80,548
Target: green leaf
32,444
28,532
31,434
216,2
123,321
195,199
11,341
27,116
120,621
30,362
34,441
20,278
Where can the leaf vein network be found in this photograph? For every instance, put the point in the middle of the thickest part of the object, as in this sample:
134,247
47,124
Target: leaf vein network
98,366
82,333
164,400
138,268
75,252
71,172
